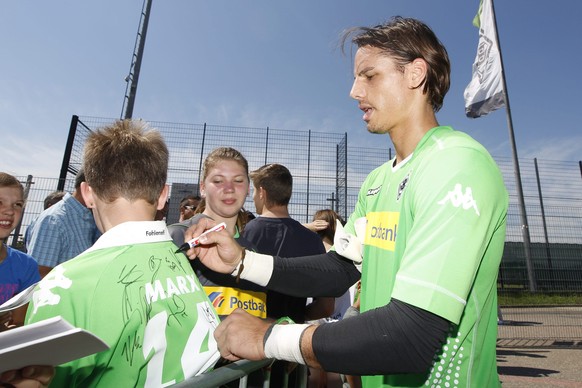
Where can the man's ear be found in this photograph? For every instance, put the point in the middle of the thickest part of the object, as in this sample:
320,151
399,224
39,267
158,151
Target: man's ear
417,70
163,197
87,194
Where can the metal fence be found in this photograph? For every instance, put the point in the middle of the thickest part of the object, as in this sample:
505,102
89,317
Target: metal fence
312,157
328,172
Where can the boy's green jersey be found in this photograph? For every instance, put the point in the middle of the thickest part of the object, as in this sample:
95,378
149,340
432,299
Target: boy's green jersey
434,239
131,290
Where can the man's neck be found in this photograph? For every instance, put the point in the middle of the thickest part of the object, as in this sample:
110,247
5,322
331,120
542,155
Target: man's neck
275,212
79,197
406,138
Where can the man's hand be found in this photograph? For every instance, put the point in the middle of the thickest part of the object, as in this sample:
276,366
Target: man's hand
217,250
28,377
240,335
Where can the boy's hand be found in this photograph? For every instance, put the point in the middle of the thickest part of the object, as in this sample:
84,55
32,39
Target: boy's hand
217,250
5,319
28,377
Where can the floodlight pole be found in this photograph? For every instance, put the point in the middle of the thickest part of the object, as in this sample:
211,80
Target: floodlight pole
133,76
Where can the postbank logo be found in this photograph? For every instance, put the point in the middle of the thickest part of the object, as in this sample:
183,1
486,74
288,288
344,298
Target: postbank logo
216,298
225,300
381,230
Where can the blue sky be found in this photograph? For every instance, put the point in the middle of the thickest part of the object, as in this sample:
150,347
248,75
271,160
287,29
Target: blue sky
265,63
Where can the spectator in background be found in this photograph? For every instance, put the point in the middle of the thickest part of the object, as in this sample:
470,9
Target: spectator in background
330,218
162,214
324,223
17,270
274,232
249,214
129,288
49,201
224,186
62,231
53,198
188,205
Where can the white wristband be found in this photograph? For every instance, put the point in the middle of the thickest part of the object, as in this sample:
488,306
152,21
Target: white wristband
284,343
258,268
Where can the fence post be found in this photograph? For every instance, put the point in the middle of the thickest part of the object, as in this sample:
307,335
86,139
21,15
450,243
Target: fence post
67,154
308,175
266,145
548,252
201,157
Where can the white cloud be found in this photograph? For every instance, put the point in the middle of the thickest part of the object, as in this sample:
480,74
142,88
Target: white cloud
23,156
551,148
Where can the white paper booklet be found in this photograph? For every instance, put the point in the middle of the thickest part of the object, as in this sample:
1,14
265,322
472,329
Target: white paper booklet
52,341
20,299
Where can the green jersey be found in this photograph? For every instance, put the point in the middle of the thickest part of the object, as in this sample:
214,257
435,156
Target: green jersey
131,290
434,239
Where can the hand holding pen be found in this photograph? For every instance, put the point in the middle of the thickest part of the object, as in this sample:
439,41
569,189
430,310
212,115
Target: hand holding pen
196,240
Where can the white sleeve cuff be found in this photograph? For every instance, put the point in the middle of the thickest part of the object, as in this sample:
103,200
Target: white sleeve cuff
258,268
284,343
348,245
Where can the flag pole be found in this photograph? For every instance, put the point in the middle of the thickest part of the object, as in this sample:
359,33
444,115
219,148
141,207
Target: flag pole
520,197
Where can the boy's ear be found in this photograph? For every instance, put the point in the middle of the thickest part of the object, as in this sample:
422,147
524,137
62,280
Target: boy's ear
87,193
163,197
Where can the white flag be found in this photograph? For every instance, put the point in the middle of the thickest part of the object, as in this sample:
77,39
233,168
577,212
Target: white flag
484,93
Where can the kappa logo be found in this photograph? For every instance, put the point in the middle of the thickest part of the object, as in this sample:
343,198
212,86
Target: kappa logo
402,186
44,296
373,191
458,198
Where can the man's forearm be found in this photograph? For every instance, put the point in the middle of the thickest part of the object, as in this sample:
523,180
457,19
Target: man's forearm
307,348
396,338
326,274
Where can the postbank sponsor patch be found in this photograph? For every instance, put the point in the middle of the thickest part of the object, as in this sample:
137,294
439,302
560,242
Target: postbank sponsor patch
381,230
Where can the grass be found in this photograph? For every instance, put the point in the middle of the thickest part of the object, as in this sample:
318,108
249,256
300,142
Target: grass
539,299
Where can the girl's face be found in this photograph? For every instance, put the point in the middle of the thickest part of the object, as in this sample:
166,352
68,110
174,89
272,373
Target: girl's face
225,188
11,206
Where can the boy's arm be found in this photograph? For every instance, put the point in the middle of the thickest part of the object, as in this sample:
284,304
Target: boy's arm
18,315
48,303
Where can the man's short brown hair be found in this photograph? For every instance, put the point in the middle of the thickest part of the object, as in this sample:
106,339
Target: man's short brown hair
276,180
